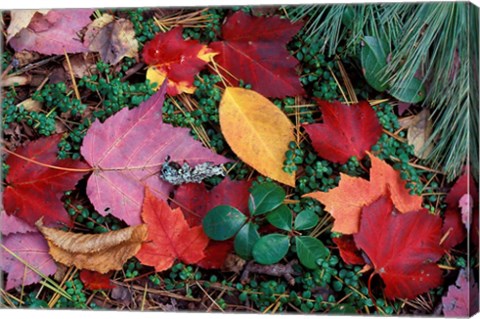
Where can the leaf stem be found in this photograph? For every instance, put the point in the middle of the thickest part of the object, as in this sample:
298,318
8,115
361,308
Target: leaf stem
86,170
370,293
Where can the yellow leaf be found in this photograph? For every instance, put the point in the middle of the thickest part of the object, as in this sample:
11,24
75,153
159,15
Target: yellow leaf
257,131
101,252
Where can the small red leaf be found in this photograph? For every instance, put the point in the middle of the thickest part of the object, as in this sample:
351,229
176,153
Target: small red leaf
349,252
401,247
169,236
254,50
474,234
215,254
173,58
94,280
346,131
453,230
34,191
462,200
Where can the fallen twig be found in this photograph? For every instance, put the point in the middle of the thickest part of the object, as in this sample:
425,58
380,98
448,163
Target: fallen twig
277,270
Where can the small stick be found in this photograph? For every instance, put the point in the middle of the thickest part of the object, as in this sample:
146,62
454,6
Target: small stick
277,270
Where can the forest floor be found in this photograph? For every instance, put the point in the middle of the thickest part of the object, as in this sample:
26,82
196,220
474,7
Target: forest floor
253,191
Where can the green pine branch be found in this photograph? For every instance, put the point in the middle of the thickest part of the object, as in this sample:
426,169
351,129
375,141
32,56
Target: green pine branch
435,42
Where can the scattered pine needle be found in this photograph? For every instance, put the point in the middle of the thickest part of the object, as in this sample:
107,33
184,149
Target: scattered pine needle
72,76
195,19
68,277
209,297
215,67
346,80
339,86
49,283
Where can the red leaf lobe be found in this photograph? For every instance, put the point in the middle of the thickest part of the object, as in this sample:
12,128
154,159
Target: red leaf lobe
35,191
346,131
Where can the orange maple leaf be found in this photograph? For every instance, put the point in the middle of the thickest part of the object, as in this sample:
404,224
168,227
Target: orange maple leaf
346,201
169,236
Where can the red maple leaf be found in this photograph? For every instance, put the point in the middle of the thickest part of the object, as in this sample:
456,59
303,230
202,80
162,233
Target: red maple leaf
127,152
94,280
33,190
401,247
196,201
346,131
53,33
254,50
170,56
349,252
169,236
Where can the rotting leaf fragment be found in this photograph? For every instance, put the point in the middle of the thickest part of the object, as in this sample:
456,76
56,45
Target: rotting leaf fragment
113,39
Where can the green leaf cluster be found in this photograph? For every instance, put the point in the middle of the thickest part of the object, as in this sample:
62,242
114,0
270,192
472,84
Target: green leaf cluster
266,207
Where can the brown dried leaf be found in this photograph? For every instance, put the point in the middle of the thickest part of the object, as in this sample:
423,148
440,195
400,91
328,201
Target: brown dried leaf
23,58
419,129
83,64
16,80
233,263
100,252
60,273
113,39
31,105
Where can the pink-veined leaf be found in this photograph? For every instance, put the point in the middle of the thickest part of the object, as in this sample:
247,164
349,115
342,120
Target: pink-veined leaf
127,152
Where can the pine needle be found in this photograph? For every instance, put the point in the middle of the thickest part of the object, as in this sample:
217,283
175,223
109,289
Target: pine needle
49,283
196,19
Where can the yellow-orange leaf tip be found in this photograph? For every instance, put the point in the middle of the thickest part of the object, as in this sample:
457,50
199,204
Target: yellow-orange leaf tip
257,131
